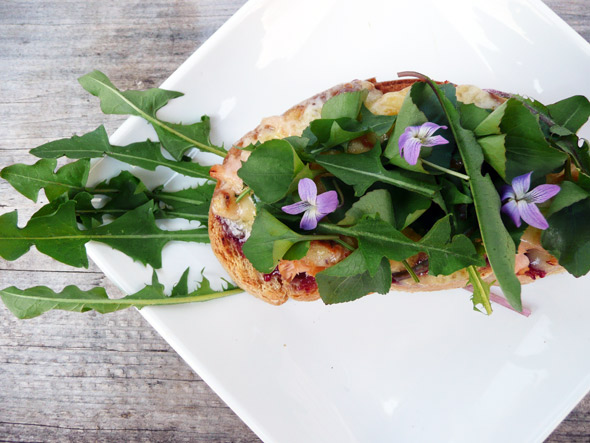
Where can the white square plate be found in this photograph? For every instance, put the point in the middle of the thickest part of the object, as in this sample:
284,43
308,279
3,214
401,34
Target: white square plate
396,367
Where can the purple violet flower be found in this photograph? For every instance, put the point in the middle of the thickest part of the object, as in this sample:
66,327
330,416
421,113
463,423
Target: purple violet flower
314,206
521,203
414,137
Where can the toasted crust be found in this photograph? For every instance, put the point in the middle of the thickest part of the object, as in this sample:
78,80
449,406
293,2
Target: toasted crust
274,289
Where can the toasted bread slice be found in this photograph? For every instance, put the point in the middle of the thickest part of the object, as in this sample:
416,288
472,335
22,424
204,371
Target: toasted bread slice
230,222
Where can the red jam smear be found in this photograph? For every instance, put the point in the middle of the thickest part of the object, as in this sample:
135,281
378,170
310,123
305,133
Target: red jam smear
304,282
274,273
535,273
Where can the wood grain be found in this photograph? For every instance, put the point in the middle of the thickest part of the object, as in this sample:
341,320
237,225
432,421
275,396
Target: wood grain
72,377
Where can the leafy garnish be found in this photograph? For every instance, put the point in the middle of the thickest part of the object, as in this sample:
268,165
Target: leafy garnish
481,291
497,242
515,135
270,240
56,234
30,179
567,237
175,138
350,279
363,170
96,144
379,239
32,302
272,169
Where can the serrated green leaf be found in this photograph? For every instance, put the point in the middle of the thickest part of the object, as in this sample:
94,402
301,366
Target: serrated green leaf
513,133
135,234
568,237
30,179
35,301
377,202
113,101
499,246
175,138
190,204
95,144
571,113
569,193
349,280
452,195
378,239
363,170
55,235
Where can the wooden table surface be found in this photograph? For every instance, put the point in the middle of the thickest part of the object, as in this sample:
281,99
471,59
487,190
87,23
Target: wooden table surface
67,376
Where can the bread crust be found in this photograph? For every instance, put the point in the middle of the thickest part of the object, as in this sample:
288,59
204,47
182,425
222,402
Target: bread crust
274,289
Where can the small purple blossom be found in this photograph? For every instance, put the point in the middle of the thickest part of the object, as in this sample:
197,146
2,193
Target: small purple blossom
414,137
314,206
521,203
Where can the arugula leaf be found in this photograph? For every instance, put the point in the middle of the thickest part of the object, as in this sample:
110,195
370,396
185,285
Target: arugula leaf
481,291
175,138
340,124
95,144
521,142
32,302
30,179
379,124
190,204
271,170
324,134
571,113
569,193
350,279
452,195
377,202
499,246
56,234
378,239
363,170
568,237
472,115
408,207
580,153
420,105
346,104
270,240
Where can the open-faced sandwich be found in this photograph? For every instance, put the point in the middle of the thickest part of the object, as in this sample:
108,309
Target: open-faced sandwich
412,185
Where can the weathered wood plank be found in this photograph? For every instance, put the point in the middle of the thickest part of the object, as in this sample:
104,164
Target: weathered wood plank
73,377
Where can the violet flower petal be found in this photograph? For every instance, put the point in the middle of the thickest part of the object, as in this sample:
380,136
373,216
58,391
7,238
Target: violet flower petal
531,215
327,202
412,150
521,185
428,128
506,192
542,193
307,190
296,208
309,220
510,208
435,140
403,139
